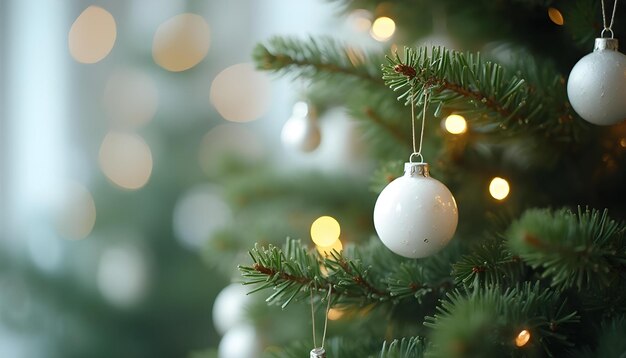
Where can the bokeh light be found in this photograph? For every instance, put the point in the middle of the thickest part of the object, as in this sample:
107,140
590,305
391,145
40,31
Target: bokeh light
198,214
383,28
130,99
230,307
556,16
360,20
335,314
240,93
77,214
522,338
337,245
122,275
126,160
92,35
181,42
455,124
499,188
325,230
225,141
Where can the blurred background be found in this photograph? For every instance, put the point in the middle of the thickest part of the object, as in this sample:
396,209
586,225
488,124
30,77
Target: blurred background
119,123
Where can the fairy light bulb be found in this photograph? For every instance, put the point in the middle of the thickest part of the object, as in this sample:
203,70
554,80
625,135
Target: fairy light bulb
335,314
555,16
383,28
325,231
327,250
455,124
499,188
522,338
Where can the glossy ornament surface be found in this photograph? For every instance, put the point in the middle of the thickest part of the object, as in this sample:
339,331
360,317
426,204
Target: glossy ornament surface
597,84
415,215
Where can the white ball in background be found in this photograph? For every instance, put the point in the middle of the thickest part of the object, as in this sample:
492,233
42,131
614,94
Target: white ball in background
415,215
240,341
597,87
229,309
123,275
301,131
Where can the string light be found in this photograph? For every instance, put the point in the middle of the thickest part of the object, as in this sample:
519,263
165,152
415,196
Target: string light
126,160
335,314
499,188
325,231
92,35
522,338
383,28
360,20
455,124
327,250
181,42
556,16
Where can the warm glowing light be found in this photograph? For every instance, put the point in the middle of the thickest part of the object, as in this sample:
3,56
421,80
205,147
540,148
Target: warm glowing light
499,188
335,314
226,141
126,160
77,214
92,35
622,142
383,28
240,93
455,124
325,231
130,99
360,20
556,16
522,338
181,42
327,250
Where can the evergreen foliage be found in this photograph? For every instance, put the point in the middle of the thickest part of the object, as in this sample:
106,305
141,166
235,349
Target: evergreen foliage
513,266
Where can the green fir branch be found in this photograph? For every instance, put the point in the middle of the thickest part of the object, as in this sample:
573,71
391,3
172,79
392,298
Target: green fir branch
494,98
485,322
586,250
413,347
317,58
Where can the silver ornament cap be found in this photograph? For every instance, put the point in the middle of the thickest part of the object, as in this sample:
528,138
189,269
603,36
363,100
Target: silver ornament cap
606,44
318,353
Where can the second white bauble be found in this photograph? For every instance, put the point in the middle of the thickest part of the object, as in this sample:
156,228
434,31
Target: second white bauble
301,131
415,215
597,84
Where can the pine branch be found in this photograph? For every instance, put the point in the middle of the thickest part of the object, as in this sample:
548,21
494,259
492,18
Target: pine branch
585,250
321,58
496,98
413,347
294,272
485,322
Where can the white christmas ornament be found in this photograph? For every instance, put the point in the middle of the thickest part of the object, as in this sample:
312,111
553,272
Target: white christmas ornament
597,84
229,309
415,215
240,342
301,131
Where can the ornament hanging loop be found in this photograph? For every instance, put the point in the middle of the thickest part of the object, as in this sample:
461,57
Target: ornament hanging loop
608,28
418,155
320,352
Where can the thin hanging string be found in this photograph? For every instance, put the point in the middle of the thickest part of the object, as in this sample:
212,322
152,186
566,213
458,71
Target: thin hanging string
330,288
418,151
610,27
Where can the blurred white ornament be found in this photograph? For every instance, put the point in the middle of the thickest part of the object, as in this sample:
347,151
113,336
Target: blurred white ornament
415,215
597,84
301,131
229,309
241,341
122,275
198,214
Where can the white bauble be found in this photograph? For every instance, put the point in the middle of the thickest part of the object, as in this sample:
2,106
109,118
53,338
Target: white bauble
301,131
415,215
229,309
240,342
597,84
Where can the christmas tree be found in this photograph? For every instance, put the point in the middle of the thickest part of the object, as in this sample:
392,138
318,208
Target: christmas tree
536,266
